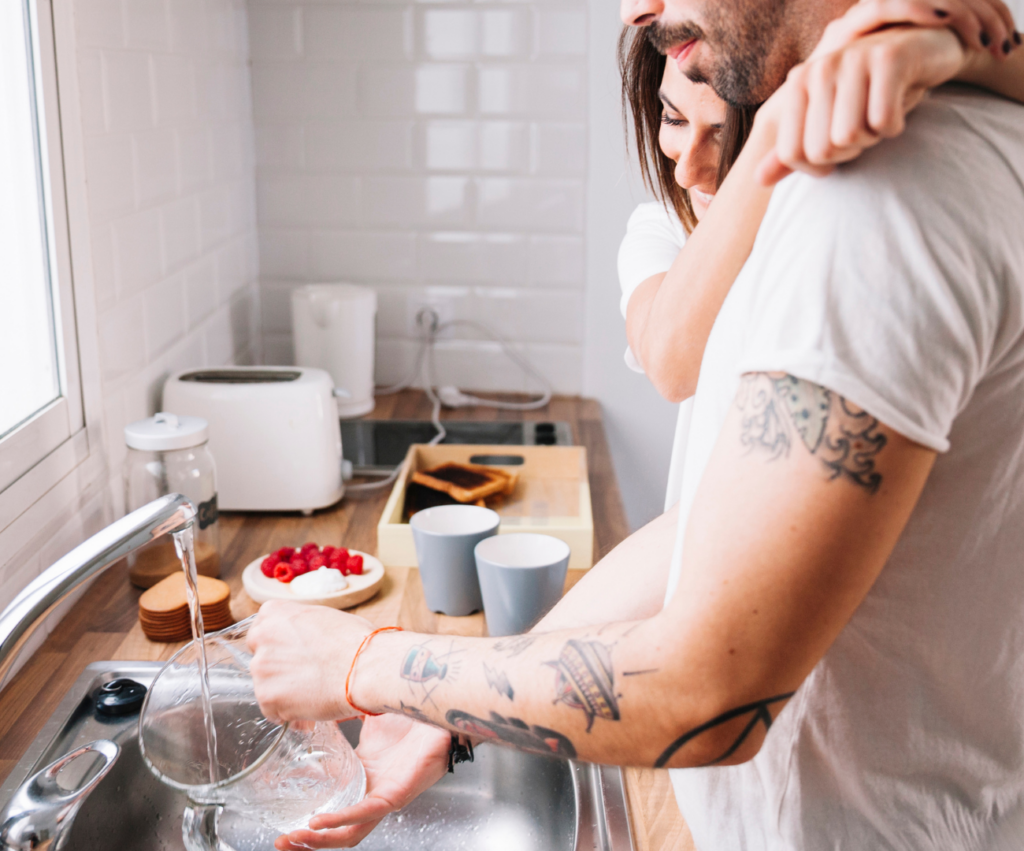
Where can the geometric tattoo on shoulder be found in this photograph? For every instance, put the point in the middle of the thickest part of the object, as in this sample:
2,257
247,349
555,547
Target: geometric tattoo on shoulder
584,680
759,712
777,409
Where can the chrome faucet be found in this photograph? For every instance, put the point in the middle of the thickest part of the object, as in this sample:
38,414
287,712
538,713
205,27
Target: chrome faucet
39,814
86,561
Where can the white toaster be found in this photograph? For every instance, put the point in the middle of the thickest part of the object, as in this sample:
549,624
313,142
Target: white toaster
274,434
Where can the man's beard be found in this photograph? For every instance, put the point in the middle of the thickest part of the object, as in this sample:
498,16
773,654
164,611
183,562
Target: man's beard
742,35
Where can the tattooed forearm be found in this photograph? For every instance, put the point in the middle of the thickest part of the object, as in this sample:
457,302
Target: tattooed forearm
425,670
775,410
515,645
498,681
759,713
512,731
584,680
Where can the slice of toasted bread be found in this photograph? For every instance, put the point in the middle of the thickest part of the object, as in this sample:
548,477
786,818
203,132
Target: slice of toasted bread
464,482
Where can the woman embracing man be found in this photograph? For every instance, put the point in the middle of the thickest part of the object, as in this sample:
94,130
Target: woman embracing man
821,637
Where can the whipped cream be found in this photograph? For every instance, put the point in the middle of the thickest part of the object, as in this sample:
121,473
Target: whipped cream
318,583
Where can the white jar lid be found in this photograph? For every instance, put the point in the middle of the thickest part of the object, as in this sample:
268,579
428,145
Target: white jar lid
166,431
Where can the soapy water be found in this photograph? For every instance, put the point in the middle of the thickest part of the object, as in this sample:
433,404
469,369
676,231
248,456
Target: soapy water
416,828
184,545
440,827
308,773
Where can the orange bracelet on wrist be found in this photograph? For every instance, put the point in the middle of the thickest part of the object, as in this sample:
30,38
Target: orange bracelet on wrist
352,667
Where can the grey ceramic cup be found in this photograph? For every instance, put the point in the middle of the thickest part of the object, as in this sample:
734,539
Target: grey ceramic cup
521,578
445,537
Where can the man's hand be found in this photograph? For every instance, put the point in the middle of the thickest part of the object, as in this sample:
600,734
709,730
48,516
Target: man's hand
300,660
402,758
864,77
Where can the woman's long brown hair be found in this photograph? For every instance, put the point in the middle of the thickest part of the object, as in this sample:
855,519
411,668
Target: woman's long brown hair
642,69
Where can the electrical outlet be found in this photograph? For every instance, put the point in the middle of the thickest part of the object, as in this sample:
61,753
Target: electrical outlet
441,305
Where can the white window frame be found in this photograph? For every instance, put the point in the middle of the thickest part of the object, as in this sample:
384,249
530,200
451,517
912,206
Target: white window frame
54,460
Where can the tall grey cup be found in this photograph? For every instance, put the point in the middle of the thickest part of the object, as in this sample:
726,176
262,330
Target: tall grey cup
521,579
445,537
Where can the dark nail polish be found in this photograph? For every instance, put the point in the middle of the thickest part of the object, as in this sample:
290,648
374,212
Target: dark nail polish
941,13
1006,47
984,39
1016,38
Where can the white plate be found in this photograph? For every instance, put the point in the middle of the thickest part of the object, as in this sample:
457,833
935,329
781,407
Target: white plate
360,588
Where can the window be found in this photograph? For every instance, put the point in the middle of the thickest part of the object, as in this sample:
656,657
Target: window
42,418
27,332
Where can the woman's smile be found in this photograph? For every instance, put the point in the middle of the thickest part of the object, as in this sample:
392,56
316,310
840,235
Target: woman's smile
691,127
701,200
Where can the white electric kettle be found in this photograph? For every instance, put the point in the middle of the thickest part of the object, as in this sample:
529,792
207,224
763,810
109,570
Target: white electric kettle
333,328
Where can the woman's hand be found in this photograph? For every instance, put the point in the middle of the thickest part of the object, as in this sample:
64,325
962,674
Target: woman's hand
871,67
301,656
980,24
402,758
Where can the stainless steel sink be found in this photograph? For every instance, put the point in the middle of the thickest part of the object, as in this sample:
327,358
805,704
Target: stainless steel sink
504,801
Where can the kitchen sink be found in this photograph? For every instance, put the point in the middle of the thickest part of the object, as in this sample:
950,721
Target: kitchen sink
504,801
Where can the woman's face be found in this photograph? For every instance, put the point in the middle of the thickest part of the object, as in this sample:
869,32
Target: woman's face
691,123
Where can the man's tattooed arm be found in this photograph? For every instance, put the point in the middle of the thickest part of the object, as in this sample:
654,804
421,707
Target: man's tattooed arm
585,677
779,412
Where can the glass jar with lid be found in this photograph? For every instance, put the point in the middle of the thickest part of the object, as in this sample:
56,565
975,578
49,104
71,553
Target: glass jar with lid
169,454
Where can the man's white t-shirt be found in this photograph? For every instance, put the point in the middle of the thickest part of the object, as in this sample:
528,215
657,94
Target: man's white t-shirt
654,237
897,282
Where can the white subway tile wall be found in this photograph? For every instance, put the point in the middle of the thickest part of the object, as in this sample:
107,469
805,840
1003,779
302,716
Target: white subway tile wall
437,152
170,164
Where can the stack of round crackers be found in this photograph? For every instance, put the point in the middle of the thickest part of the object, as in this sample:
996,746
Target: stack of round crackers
163,609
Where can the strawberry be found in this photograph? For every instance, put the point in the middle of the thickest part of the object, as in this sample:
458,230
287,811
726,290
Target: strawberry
285,553
299,566
283,572
316,562
355,565
268,564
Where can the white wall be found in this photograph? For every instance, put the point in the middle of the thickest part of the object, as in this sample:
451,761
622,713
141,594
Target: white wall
459,131
638,422
438,152
433,151
167,121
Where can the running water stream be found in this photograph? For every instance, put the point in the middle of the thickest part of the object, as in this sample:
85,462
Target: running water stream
185,547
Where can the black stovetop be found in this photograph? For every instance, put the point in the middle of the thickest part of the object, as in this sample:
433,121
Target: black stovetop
378,445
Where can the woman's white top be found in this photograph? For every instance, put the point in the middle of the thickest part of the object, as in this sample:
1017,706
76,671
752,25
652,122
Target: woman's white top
654,237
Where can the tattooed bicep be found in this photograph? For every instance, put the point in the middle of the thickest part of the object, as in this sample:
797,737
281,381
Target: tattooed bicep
780,413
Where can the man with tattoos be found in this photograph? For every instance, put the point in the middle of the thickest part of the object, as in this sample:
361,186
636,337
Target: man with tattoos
846,573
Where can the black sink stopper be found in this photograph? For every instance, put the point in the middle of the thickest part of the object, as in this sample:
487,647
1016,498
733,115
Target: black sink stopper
119,697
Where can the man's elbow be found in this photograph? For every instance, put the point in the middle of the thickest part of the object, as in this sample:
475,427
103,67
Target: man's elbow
731,734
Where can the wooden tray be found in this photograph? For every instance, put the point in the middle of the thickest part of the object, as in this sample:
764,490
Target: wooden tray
552,497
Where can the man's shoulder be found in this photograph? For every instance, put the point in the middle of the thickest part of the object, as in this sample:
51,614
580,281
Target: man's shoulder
958,168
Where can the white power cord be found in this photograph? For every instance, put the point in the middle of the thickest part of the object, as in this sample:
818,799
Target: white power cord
450,396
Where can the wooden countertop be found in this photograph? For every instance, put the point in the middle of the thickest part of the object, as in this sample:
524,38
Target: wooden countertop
103,624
